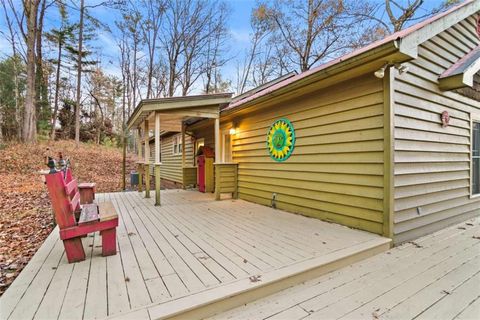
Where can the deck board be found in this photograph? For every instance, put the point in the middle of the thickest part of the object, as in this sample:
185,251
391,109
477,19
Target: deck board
189,245
437,276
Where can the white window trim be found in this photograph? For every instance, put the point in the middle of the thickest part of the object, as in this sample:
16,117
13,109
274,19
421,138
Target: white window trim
177,142
474,118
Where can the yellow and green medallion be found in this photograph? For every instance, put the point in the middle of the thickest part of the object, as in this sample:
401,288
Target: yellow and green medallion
281,140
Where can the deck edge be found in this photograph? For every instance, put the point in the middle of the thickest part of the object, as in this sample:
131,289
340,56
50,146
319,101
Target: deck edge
220,299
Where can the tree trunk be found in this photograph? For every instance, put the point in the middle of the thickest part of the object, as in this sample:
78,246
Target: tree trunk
135,76
124,140
29,119
57,88
41,91
79,74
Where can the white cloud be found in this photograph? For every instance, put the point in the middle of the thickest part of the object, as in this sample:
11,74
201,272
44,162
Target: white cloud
240,35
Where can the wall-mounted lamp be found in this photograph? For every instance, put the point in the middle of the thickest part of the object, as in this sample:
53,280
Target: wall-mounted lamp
380,73
401,68
232,131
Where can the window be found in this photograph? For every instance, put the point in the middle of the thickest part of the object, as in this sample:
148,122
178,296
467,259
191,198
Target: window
199,143
177,144
476,158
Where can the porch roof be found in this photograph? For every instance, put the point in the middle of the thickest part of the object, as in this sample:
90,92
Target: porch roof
176,109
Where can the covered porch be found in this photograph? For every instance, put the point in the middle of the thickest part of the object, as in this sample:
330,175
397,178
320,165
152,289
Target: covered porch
182,259
155,118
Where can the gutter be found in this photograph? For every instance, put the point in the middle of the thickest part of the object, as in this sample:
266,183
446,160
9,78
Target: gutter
320,73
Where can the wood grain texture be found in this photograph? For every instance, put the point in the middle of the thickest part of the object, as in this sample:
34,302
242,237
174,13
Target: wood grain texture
436,277
190,244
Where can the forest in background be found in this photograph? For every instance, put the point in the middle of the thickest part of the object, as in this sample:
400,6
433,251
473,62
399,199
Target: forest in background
55,83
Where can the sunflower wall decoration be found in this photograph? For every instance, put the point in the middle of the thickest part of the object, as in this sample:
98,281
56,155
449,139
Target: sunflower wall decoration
281,140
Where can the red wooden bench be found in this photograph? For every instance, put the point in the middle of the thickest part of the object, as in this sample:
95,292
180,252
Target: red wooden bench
87,189
76,221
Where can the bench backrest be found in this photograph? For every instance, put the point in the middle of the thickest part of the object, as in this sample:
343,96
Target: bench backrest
65,198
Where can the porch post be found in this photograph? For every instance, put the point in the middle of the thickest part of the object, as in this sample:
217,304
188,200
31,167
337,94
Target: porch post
183,145
183,154
217,158
157,159
139,163
217,140
147,161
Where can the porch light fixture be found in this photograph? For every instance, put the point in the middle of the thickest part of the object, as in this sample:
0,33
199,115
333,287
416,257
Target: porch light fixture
232,131
401,68
380,73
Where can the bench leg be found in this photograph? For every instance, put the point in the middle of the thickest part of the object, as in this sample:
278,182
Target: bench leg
74,250
109,242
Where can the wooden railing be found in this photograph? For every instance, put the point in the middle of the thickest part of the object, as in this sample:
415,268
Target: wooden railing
226,179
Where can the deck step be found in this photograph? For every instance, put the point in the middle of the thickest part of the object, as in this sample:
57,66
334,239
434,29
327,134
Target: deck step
219,299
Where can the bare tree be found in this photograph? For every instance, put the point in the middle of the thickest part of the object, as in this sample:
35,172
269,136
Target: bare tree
393,15
261,27
172,40
311,30
59,37
79,72
41,80
13,41
214,56
150,29
29,133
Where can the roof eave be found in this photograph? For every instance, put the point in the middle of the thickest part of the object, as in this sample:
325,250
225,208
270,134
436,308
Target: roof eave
175,102
388,49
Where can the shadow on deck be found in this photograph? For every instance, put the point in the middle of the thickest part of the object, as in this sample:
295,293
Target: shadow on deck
187,258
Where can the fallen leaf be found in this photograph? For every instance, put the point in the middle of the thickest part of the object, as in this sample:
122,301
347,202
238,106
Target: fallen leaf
255,278
26,217
415,244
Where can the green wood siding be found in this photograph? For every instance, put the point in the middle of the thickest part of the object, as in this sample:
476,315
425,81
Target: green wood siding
171,168
432,164
336,170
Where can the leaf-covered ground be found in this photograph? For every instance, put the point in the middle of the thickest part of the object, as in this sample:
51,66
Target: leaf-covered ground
25,215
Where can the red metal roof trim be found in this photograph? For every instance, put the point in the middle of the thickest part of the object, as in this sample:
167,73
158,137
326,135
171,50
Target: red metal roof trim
463,63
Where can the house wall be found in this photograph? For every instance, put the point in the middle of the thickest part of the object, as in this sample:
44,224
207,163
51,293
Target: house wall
206,131
336,170
432,164
171,168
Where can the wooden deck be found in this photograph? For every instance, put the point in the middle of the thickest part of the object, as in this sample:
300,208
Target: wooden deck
183,255
436,277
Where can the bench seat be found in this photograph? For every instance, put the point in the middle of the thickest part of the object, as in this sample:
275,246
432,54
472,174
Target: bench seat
76,221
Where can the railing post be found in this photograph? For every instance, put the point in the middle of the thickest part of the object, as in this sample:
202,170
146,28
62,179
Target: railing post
147,161
157,159
139,163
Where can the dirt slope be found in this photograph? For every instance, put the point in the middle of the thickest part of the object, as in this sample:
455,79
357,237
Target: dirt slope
25,214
